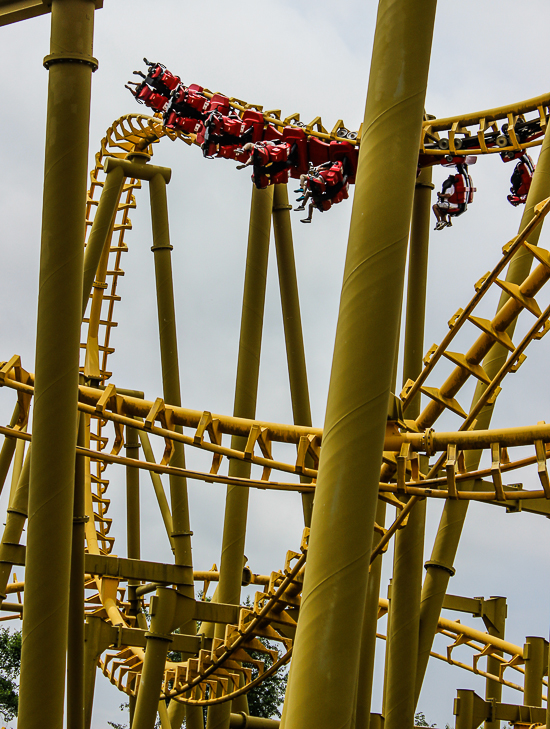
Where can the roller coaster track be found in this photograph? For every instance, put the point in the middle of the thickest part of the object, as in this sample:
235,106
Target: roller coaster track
215,675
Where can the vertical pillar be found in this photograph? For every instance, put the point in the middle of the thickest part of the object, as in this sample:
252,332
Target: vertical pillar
535,653
292,321
494,615
335,585
246,390
440,567
368,633
163,606
181,535
133,536
402,641
57,353
75,648
181,528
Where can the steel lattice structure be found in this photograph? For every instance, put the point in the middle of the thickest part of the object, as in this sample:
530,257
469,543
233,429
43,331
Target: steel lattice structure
368,456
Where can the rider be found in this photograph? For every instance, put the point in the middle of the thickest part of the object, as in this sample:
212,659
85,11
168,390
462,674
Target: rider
457,191
325,186
521,176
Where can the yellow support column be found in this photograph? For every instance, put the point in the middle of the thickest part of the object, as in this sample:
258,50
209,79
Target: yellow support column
368,633
75,649
292,321
324,673
181,535
51,490
246,390
402,639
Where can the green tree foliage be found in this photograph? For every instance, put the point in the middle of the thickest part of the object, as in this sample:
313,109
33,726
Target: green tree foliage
420,719
10,665
264,700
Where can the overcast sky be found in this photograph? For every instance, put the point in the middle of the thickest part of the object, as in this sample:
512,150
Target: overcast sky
312,58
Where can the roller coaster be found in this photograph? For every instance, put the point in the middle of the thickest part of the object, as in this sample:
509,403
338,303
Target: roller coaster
128,618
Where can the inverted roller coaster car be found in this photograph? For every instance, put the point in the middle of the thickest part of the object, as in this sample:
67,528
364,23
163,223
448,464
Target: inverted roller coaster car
297,138
254,120
521,178
155,89
329,187
349,156
271,161
188,103
229,132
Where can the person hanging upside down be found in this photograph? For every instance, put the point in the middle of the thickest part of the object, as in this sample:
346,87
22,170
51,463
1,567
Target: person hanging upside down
521,176
457,191
325,186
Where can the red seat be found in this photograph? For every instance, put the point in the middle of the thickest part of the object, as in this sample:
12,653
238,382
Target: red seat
220,103
196,100
183,124
233,125
278,152
227,151
340,151
151,99
297,136
318,151
169,80
281,178
271,133
254,119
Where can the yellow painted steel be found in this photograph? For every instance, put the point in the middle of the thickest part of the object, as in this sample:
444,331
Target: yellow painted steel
246,390
181,534
346,494
8,449
365,673
57,346
288,285
348,474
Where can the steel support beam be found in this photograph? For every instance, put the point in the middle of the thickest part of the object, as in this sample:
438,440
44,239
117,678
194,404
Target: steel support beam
402,643
292,322
535,654
51,490
246,391
75,648
494,616
319,692
368,633
181,535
